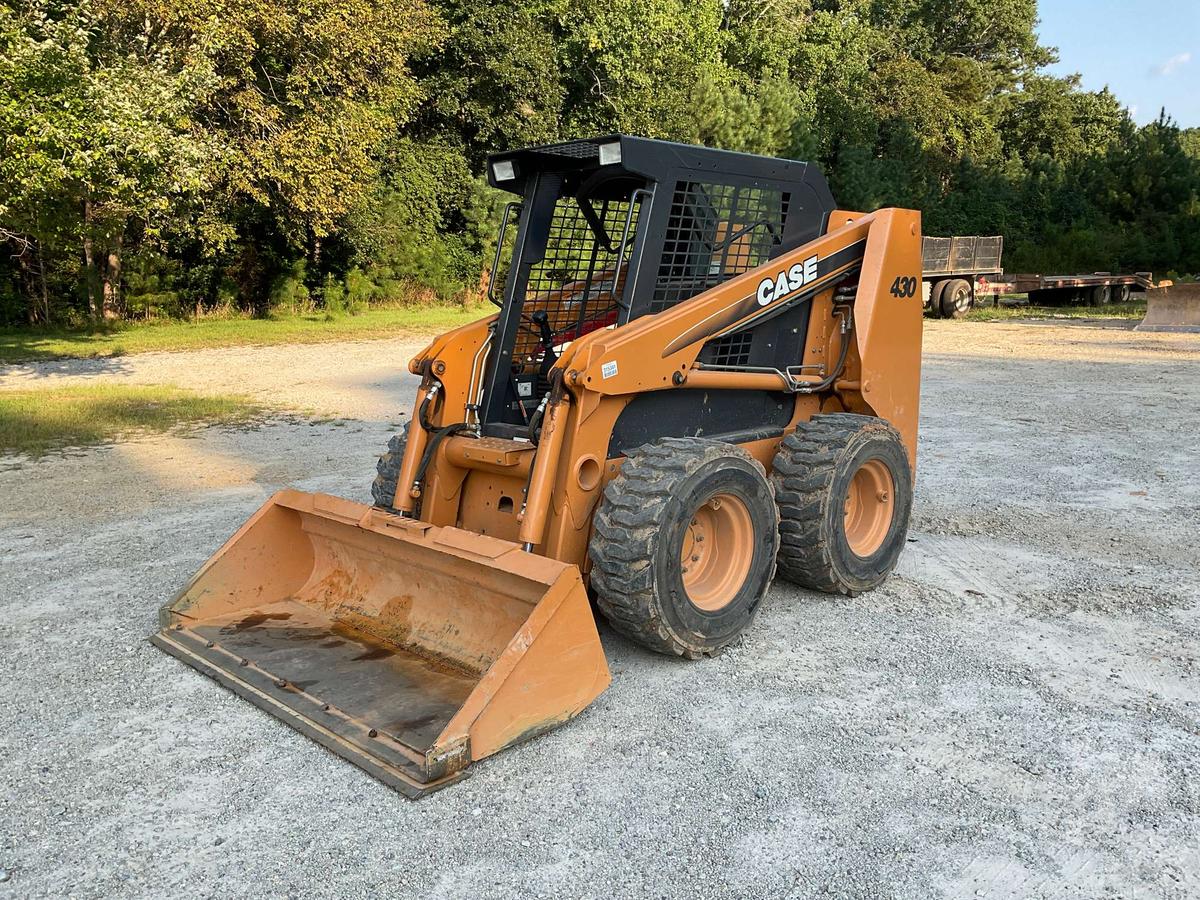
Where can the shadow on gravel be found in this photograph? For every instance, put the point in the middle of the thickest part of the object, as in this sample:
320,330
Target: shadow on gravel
52,366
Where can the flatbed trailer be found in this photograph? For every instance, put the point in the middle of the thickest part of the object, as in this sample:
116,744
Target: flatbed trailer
959,271
1096,289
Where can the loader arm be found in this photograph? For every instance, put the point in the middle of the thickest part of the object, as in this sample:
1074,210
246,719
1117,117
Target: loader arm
660,352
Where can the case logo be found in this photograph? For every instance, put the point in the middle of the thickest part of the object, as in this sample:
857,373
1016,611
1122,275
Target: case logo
788,281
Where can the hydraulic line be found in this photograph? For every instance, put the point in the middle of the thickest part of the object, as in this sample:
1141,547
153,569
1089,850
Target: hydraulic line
431,448
846,329
437,435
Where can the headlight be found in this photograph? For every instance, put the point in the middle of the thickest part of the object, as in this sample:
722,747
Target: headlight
610,154
502,170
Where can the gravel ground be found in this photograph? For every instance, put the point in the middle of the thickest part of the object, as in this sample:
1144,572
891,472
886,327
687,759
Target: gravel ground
1015,714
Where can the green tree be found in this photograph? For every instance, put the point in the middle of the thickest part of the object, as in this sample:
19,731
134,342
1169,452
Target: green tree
494,82
306,92
274,151
632,65
97,142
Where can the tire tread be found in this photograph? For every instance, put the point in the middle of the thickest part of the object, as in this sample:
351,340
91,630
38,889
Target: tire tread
803,474
387,470
625,527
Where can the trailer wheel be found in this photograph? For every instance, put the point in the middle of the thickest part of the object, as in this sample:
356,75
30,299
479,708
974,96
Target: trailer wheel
683,545
387,471
955,299
1098,295
935,298
844,489
1119,293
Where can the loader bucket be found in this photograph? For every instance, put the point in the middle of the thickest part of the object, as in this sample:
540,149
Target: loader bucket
410,650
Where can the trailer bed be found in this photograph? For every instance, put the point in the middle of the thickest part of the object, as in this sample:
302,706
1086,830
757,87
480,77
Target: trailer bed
1030,283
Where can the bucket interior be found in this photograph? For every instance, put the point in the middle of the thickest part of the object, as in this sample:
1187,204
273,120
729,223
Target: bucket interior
393,688
393,633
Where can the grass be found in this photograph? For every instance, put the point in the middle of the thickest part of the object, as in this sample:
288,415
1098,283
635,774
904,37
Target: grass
1135,310
25,344
35,422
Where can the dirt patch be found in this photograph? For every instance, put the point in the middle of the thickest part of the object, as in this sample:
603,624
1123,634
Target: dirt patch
1015,714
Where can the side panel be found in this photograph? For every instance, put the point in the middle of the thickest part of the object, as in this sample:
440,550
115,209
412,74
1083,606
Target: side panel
888,322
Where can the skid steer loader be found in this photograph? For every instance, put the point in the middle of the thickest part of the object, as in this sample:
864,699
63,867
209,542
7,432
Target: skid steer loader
700,369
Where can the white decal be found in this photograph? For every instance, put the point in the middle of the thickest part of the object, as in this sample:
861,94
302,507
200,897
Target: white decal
777,287
609,369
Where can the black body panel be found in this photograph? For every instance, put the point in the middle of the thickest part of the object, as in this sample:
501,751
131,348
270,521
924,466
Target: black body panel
733,416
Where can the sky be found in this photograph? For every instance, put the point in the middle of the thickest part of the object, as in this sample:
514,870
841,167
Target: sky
1147,52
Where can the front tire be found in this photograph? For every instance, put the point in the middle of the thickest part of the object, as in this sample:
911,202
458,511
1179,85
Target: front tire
844,488
387,471
683,545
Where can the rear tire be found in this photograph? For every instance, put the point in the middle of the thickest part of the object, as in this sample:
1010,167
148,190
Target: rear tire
683,545
387,471
844,489
1119,293
955,300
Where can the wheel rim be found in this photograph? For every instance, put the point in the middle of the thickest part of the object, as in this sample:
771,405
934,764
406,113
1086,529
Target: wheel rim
869,507
718,547
961,299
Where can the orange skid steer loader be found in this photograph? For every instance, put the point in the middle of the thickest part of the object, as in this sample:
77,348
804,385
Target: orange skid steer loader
700,370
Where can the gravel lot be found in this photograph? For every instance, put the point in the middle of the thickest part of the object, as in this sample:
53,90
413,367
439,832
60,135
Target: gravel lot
1015,714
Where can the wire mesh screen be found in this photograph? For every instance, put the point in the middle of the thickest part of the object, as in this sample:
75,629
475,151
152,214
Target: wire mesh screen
715,231
578,282
731,350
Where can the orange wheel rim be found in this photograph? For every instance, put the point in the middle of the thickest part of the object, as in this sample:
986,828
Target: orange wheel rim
870,505
718,546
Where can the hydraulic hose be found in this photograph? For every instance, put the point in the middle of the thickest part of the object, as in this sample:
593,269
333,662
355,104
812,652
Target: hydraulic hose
437,435
431,448
827,382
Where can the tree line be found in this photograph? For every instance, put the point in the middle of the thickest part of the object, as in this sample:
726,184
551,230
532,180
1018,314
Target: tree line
166,158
